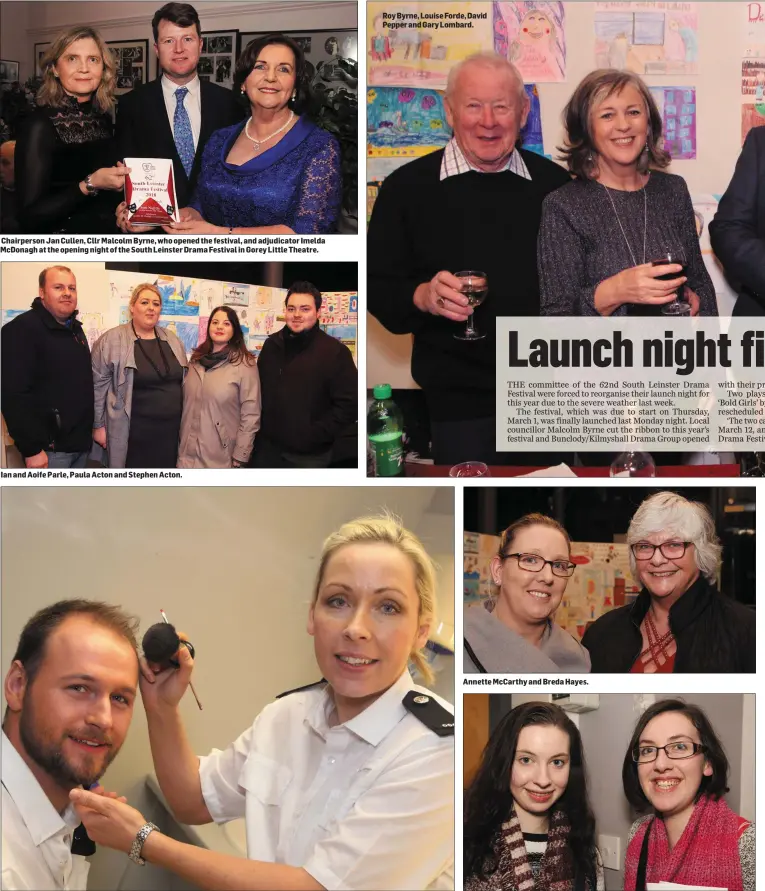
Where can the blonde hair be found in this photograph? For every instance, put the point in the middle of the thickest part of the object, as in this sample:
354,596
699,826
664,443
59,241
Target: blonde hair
139,289
52,93
388,529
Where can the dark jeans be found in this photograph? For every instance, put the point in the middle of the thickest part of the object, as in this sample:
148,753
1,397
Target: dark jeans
58,460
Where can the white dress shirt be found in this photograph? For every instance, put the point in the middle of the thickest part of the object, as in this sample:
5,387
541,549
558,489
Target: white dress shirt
192,102
36,838
454,163
368,804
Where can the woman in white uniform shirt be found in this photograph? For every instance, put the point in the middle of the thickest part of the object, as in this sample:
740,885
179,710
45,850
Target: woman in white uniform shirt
347,784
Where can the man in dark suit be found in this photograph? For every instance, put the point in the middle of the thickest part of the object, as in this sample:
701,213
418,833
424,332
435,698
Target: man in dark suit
737,232
174,116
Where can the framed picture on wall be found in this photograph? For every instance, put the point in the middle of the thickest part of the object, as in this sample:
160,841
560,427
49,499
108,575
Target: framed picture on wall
40,50
9,73
131,59
218,57
320,46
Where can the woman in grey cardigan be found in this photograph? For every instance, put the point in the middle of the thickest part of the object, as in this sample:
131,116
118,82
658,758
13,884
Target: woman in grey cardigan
531,569
221,397
138,371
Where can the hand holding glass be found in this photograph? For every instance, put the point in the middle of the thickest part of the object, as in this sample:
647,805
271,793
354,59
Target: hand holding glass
679,306
475,286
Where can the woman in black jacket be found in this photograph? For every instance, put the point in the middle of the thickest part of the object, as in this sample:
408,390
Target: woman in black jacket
680,622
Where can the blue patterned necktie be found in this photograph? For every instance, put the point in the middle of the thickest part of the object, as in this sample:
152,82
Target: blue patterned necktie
184,138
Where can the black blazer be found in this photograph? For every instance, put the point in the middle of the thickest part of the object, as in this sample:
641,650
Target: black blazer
144,131
737,232
713,633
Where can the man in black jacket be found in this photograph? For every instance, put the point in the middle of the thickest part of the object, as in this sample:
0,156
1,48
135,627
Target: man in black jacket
175,115
47,387
738,230
308,385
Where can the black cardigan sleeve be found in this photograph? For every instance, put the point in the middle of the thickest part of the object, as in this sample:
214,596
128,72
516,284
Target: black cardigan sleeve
391,275
734,231
40,208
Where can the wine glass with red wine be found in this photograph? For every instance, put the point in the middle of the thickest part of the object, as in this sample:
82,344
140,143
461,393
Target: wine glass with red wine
679,306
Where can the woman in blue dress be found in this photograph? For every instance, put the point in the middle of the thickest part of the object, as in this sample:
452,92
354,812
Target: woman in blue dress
276,173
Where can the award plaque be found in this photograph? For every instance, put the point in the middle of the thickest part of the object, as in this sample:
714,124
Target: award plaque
150,191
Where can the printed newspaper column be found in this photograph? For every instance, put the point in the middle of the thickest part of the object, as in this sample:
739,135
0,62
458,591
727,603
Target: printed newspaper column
614,385
150,191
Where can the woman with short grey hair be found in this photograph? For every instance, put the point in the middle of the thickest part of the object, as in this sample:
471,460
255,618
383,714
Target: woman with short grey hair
679,622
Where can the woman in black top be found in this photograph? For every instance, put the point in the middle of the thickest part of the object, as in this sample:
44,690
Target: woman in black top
138,371
66,178
679,622
527,818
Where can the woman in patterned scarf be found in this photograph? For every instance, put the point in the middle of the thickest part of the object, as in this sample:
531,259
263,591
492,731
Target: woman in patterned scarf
528,824
677,766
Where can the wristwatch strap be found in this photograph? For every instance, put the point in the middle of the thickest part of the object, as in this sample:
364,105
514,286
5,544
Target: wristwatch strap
89,187
138,842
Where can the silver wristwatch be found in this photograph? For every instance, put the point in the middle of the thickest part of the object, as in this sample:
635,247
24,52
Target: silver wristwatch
89,187
138,842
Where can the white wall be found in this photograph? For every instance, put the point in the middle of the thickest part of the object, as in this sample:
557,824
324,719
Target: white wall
233,567
18,284
718,132
22,24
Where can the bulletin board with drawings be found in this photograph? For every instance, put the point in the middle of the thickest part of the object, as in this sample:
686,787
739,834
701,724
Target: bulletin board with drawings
602,580
188,302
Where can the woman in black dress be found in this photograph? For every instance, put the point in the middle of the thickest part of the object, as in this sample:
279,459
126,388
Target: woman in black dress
67,175
138,371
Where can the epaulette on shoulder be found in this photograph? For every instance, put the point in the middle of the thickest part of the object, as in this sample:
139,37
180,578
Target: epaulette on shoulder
300,689
430,711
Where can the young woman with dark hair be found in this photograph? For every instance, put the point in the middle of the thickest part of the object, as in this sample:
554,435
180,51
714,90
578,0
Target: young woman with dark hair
221,397
527,818
676,765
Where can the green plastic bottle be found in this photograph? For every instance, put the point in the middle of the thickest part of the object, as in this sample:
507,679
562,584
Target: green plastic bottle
385,428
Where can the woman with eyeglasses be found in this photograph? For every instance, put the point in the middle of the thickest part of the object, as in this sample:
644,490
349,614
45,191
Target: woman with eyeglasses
527,819
676,766
516,632
679,622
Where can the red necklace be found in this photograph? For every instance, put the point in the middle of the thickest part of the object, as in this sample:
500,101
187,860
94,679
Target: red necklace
656,644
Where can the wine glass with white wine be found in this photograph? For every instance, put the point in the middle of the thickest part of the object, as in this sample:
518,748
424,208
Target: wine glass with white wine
475,286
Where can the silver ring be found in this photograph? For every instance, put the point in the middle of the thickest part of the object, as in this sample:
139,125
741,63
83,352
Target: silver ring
440,302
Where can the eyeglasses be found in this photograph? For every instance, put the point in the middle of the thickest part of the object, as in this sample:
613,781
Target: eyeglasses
535,563
676,751
672,550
